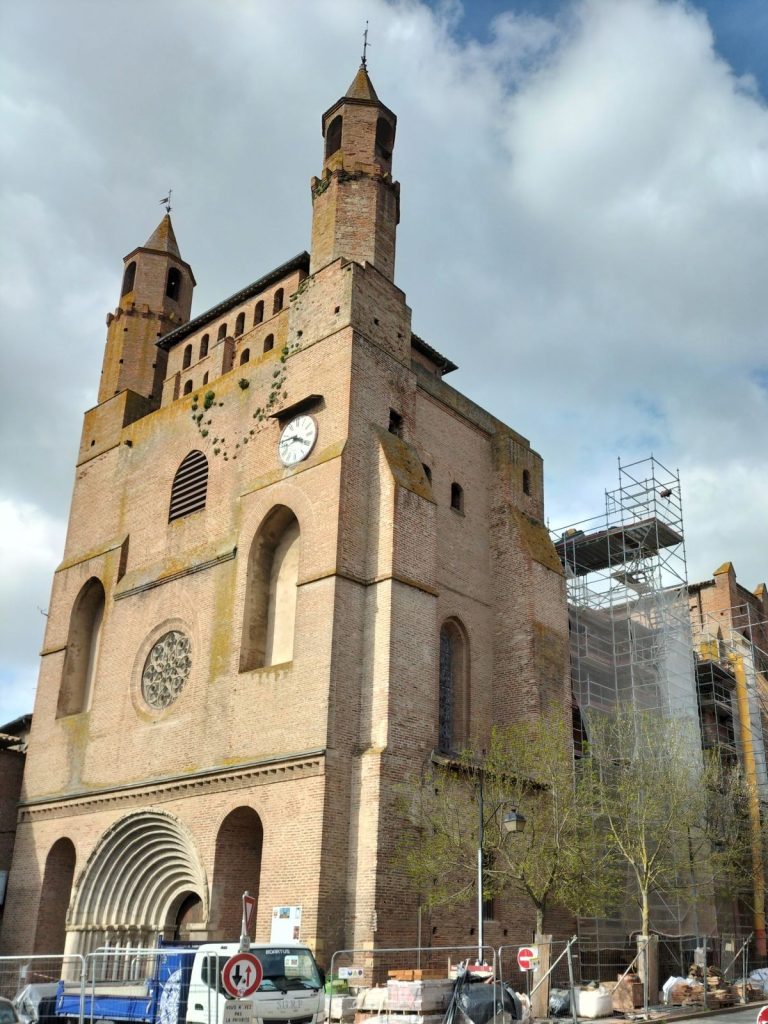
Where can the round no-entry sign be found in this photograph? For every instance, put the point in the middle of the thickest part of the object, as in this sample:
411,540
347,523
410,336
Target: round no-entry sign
527,958
242,975
762,1016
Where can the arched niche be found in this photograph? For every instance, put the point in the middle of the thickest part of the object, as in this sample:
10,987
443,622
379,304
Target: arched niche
50,931
236,868
82,654
269,612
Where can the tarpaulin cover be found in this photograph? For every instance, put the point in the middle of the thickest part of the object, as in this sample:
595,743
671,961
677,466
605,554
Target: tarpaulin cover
479,1002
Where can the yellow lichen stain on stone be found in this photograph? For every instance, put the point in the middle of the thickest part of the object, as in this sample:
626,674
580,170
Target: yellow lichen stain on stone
550,652
167,568
536,540
328,454
404,464
103,549
223,620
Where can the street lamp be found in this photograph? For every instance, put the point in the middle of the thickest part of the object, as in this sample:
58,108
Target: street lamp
512,821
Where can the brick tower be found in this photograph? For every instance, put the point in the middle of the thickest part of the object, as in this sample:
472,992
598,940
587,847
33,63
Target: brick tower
297,567
155,297
355,203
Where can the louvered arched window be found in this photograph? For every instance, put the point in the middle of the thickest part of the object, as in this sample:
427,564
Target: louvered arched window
190,486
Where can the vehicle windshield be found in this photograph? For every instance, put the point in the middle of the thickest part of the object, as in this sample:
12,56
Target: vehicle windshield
285,969
7,1012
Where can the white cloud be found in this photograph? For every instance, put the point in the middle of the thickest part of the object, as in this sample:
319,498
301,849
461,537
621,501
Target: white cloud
31,542
583,210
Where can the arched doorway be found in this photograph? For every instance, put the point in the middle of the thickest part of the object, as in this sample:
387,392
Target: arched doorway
181,921
142,880
236,869
50,933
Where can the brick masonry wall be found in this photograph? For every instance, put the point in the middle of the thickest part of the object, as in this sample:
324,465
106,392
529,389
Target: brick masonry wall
318,747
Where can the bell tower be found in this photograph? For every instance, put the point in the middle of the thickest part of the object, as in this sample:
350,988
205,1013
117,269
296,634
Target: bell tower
355,203
155,297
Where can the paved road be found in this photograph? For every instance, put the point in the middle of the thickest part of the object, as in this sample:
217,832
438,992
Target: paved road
746,1015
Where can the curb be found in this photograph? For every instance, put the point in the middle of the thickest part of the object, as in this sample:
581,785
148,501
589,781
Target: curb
719,1009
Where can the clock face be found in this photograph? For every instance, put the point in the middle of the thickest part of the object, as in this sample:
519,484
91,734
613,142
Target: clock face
297,440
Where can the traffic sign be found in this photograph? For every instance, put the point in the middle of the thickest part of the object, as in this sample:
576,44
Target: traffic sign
242,975
762,1016
249,906
527,958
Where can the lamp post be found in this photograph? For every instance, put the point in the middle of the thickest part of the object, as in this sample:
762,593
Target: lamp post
512,822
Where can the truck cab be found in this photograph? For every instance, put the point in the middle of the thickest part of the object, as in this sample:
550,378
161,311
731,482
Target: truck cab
291,990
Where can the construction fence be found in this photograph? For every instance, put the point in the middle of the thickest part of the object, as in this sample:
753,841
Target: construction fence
376,986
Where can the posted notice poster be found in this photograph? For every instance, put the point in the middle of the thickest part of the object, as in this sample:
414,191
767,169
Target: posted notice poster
286,924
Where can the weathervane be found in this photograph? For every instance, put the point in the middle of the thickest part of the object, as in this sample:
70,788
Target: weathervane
366,44
167,201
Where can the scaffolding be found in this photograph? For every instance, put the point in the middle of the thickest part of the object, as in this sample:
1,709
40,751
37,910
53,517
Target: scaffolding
628,597
636,641
630,629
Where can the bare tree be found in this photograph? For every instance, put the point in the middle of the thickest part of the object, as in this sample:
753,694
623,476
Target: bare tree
528,767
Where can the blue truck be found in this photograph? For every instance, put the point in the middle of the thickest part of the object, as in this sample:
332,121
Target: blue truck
184,985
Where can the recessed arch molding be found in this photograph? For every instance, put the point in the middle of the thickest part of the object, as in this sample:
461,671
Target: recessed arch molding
143,868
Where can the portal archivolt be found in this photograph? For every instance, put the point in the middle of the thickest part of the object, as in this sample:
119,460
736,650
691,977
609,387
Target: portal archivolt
144,869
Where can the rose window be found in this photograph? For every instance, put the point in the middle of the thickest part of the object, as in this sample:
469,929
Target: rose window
166,669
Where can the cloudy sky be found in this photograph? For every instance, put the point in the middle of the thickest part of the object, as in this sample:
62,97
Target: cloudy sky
584,200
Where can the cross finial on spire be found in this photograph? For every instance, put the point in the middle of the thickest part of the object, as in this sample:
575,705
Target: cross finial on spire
167,201
366,44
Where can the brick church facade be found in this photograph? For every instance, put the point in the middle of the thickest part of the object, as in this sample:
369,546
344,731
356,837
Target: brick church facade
298,563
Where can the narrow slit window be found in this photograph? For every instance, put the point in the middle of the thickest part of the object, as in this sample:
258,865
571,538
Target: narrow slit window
190,486
245,355
239,324
222,332
204,346
258,313
173,284
427,471
277,304
457,497
187,361
269,343
395,423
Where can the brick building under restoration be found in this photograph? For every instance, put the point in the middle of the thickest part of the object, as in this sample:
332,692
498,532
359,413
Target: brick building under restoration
297,564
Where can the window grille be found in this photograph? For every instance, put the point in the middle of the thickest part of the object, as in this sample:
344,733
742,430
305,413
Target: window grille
190,486
445,739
